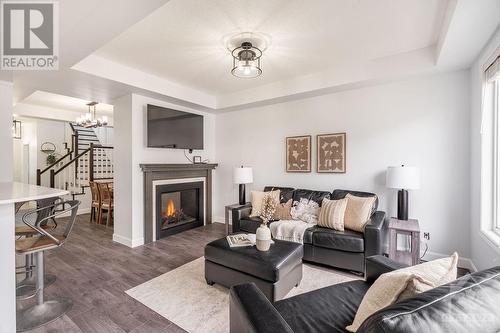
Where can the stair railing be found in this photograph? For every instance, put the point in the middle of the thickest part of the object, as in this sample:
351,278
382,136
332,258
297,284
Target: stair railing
70,153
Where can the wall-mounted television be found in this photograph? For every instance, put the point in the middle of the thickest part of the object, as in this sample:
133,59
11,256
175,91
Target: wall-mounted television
169,128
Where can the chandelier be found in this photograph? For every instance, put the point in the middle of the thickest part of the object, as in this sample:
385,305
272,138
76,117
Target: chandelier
246,61
89,120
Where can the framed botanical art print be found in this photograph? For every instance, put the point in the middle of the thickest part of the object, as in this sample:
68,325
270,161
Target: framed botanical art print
331,153
298,154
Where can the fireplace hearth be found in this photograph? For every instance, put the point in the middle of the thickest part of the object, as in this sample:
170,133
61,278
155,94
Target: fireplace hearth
179,207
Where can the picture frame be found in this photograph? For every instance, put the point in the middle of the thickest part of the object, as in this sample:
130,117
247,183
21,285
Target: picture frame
298,153
331,153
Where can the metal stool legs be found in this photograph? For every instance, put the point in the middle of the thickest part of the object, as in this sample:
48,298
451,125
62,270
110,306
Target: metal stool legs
43,311
26,288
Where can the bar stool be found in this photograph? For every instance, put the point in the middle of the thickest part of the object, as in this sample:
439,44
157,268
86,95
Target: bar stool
44,311
26,288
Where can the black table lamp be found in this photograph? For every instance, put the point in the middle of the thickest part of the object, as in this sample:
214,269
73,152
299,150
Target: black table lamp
242,176
403,178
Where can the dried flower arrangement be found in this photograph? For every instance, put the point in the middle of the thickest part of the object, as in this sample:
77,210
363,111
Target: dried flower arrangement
268,209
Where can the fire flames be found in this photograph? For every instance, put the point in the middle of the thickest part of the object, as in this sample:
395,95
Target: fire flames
169,209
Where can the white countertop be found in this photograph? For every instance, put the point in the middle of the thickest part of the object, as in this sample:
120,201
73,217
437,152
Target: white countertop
12,192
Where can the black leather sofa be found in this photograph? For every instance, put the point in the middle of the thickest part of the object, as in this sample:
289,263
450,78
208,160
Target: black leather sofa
342,249
468,304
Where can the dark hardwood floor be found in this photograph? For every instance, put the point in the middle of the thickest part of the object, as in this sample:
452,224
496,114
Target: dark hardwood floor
94,272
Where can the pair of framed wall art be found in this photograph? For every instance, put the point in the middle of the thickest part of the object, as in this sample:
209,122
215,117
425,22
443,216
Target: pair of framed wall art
330,157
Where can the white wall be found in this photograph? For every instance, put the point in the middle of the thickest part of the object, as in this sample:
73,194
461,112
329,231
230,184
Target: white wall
7,222
422,122
483,253
131,151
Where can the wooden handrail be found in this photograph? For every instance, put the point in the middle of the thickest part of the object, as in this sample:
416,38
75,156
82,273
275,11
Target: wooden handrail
52,165
73,160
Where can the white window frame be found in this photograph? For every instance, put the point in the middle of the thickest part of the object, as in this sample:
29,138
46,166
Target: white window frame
495,103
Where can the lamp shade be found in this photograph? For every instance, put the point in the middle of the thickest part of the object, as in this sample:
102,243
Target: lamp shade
403,177
242,175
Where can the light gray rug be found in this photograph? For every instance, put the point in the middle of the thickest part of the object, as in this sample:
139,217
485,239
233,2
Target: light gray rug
183,297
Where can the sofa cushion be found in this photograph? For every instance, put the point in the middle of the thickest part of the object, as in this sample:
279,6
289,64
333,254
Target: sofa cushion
250,224
340,194
317,196
347,240
269,265
328,309
286,193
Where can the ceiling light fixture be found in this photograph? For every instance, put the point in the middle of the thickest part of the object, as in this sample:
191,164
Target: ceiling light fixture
246,61
89,120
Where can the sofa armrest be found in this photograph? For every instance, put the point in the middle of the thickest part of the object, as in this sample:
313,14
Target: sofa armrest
239,214
378,265
375,234
251,312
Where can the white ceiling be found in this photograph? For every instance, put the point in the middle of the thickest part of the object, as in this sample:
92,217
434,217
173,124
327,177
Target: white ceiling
183,40
61,102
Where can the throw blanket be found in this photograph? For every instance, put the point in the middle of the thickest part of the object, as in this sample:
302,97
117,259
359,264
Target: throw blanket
290,230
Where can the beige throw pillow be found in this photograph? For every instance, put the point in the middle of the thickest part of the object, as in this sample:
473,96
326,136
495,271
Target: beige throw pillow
283,211
404,283
332,213
258,198
358,212
384,292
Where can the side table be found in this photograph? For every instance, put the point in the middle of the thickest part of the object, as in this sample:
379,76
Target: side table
228,211
411,230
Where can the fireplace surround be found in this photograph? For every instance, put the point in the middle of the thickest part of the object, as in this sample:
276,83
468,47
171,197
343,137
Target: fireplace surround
188,187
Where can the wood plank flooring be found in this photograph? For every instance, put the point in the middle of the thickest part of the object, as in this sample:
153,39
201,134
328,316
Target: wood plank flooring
94,273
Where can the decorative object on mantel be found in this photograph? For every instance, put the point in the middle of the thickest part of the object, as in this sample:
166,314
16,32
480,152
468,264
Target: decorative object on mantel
197,159
16,129
331,153
263,234
298,154
90,120
403,178
242,176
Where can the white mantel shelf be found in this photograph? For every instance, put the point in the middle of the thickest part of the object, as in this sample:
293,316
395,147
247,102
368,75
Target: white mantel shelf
12,192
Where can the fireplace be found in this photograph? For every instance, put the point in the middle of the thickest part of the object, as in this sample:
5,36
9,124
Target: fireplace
179,207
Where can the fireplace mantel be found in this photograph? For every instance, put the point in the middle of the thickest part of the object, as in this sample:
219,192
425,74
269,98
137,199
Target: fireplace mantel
156,172
176,167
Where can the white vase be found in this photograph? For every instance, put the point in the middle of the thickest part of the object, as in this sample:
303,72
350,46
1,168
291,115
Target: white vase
263,238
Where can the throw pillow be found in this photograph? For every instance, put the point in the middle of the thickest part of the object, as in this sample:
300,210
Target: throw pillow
358,212
283,211
437,272
258,197
404,283
331,214
383,292
305,210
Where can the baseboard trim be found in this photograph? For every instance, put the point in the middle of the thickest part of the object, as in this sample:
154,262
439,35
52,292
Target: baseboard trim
463,262
219,220
127,241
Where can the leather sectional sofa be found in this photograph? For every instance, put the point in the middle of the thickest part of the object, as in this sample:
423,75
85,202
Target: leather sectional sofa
342,249
468,304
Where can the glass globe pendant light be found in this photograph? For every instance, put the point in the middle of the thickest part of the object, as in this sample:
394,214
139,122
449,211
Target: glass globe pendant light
246,61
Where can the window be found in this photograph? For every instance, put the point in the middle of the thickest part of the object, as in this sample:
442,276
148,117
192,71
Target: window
490,155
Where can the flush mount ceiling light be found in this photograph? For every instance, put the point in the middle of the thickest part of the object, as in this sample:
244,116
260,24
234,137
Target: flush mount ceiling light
246,49
246,61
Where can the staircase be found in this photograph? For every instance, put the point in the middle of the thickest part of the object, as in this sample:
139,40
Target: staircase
87,160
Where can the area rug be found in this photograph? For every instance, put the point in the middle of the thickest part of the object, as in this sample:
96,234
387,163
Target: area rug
183,297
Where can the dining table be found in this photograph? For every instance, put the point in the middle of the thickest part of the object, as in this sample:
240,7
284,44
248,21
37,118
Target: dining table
12,193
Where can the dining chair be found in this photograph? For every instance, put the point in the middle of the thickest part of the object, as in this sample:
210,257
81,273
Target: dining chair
96,201
106,201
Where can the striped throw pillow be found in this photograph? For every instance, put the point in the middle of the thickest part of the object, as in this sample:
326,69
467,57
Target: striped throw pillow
332,213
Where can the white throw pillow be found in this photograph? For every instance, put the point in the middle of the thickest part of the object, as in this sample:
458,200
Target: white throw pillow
331,214
305,210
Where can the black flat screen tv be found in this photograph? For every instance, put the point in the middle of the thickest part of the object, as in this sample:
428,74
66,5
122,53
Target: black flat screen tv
169,128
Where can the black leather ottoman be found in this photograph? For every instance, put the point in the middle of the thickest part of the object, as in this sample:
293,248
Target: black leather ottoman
275,272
